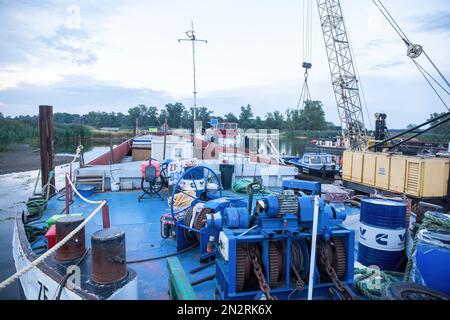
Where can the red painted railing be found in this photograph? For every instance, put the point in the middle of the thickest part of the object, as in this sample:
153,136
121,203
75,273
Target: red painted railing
119,153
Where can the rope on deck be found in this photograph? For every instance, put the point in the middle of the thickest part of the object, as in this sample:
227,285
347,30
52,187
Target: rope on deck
51,251
372,282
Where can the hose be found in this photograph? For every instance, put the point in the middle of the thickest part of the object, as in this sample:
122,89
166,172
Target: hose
66,277
164,256
36,207
240,186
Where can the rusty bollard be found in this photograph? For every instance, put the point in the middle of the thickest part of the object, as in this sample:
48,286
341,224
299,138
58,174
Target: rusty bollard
108,256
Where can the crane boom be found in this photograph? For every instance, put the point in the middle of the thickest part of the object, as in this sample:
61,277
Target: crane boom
343,74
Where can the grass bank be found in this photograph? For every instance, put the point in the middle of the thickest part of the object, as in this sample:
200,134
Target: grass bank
14,132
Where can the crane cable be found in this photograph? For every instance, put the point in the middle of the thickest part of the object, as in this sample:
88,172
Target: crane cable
414,51
305,94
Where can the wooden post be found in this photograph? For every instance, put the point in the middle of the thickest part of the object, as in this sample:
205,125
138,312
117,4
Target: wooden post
68,195
46,145
105,217
165,139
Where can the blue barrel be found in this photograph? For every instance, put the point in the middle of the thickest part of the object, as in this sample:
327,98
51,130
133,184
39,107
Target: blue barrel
382,234
431,260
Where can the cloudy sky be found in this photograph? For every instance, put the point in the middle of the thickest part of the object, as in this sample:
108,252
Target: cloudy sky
110,55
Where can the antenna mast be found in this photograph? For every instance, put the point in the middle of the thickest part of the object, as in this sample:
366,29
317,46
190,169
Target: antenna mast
193,39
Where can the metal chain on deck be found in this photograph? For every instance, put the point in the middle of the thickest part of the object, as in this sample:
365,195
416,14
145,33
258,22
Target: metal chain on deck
340,286
253,251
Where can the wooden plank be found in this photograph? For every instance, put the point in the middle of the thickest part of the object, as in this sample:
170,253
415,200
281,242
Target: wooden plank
179,286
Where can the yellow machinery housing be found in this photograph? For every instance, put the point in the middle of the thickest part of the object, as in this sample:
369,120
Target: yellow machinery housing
417,177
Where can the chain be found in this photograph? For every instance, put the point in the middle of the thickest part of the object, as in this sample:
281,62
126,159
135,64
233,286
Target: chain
300,284
254,257
340,286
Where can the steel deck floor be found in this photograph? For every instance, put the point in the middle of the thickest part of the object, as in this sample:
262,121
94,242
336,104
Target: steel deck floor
140,221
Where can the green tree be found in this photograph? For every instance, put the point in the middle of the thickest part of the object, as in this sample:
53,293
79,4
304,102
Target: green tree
259,123
312,116
246,117
274,120
444,128
204,115
151,117
138,113
186,119
162,117
174,114
293,119
230,117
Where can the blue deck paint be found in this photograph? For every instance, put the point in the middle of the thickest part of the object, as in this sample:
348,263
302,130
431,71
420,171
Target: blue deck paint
140,221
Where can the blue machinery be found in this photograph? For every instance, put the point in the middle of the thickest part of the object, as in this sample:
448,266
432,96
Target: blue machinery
266,249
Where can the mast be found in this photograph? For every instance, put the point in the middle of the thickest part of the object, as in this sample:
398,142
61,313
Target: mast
192,38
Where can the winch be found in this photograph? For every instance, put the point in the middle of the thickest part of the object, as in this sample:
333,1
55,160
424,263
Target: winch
267,249
272,256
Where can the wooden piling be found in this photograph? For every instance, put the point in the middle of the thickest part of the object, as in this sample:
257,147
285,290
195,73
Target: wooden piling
46,145
165,139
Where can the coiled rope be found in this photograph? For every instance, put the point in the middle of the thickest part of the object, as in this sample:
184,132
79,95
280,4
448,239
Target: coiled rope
51,251
182,199
372,282
36,207
431,222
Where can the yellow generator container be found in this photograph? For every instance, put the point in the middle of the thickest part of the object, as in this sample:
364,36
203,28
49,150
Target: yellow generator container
419,177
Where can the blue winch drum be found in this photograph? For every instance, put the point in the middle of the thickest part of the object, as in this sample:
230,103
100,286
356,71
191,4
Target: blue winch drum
236,218
382,234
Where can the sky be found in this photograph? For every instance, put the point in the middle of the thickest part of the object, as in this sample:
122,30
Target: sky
82,56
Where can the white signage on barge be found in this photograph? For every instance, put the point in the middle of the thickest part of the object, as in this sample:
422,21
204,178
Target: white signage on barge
176,169
382,238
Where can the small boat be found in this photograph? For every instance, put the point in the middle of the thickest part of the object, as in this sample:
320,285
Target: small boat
319,165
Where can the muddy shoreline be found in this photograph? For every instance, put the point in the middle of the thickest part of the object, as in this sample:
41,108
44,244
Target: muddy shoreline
23,157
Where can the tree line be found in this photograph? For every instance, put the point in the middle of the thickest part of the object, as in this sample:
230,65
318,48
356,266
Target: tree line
310,117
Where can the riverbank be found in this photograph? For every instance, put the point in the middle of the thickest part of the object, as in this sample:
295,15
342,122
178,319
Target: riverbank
15,188
23,157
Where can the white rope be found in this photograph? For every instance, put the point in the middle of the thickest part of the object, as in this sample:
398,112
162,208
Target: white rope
77,153
44,256
79,195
